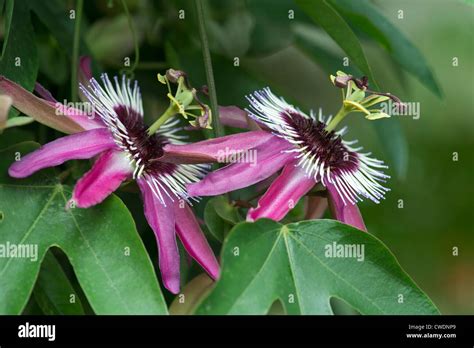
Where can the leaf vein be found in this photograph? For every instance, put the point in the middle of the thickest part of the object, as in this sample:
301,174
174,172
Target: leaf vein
337,275
96,257
260,270
33,225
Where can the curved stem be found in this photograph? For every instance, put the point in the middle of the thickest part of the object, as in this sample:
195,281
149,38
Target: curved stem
75,49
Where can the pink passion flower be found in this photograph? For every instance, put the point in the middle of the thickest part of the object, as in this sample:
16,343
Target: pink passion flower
307,153
126,151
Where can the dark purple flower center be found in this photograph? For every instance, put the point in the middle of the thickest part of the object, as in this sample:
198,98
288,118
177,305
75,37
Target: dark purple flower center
327,146
148,148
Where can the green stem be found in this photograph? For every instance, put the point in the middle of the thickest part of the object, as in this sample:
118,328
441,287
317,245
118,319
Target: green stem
169,112
216,125
134,36
343,112
75,49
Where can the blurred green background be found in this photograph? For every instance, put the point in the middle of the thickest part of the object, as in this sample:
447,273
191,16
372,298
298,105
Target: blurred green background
437,191
294,57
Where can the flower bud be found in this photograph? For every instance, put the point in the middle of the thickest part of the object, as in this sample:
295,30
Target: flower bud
342,81
173,75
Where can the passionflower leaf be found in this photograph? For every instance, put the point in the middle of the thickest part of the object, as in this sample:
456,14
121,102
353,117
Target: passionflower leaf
101,243
53,292
299,265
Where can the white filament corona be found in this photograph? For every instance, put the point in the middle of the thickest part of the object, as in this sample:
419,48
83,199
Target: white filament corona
363,179
105,99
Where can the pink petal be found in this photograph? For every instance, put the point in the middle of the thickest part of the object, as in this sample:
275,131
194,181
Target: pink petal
283,194
85,71
211,150
77,146
87,119
44,93
5,104
106,175
44,111
84,74
162,222
268,160
346,213
193,239
233,116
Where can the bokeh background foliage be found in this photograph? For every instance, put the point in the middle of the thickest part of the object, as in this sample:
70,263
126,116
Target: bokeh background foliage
291,46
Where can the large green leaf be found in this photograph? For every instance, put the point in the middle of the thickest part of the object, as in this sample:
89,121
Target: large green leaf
365,16
323,13
266,261
216,225
271,27
53,291
7,13
55,15
225,210
19,60
102,244
306,39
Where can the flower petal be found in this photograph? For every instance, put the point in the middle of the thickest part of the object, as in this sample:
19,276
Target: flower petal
268,159
193,239
84,74
211,150
87,119
44,93
106,175
233,116
5,104
346,213
45,111
162,222
283,194
77,146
